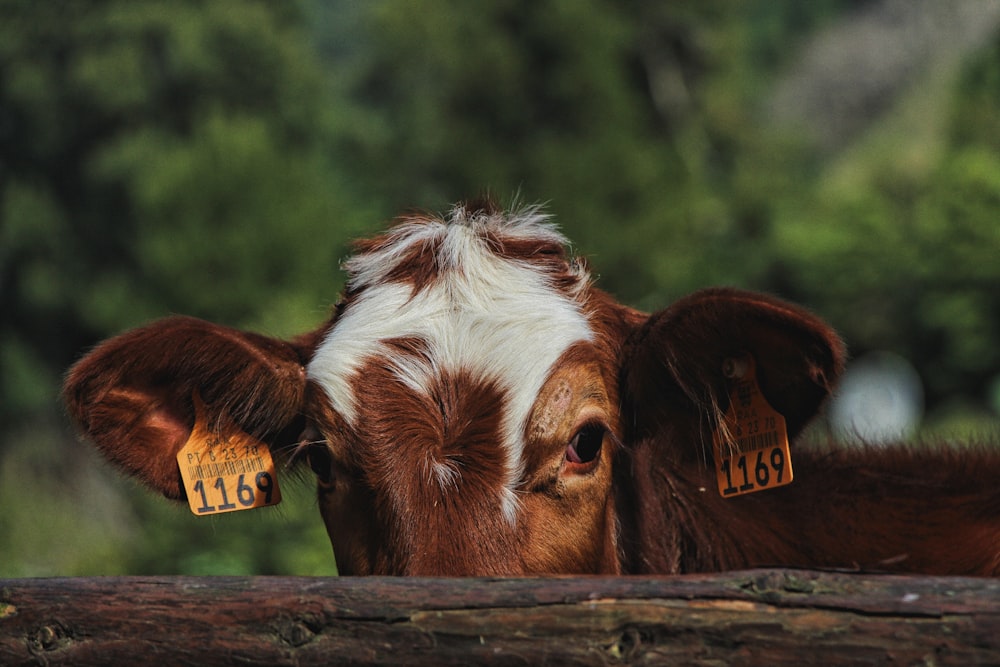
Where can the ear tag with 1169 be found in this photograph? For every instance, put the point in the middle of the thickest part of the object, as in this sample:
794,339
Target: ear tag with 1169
226,471
751,444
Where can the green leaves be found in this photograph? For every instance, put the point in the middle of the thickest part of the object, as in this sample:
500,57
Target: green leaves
214,157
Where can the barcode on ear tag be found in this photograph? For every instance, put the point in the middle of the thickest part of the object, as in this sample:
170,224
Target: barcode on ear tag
751,445
228,472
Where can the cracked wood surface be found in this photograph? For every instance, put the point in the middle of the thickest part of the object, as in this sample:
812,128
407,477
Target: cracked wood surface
759,617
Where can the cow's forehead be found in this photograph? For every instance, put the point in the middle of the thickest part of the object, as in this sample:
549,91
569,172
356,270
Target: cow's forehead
489,296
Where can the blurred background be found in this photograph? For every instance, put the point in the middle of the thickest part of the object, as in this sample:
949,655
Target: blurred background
215,158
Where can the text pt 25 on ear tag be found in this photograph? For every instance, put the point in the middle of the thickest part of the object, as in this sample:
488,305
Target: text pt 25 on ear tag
751,444
227,471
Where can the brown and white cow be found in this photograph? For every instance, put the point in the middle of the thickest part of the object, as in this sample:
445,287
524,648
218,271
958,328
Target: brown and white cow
475,406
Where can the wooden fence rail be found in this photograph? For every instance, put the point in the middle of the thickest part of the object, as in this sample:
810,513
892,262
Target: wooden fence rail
759,617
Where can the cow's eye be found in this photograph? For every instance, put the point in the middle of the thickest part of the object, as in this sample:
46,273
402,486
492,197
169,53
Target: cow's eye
321,462
585,446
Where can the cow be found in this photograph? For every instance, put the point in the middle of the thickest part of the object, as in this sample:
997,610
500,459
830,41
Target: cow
475,405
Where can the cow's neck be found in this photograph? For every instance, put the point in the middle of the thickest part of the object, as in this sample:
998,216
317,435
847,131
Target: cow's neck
878,510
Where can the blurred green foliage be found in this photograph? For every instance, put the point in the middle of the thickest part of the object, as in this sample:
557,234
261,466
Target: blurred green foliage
215,158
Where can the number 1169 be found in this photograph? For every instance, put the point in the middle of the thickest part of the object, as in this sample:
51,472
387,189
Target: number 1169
245,494
753,475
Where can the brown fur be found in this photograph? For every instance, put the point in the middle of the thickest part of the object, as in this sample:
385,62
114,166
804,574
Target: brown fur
406,435
415,486
931,510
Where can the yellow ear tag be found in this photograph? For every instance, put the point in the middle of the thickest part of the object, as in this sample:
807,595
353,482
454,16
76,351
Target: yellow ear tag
751,444
226,473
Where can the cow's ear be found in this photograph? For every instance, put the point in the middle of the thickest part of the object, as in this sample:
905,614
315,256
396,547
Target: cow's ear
674,374
134,394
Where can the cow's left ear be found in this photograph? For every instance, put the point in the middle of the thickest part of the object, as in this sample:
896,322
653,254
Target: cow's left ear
674,374
134,395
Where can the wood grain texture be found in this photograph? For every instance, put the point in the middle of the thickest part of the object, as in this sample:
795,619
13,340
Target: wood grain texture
759,617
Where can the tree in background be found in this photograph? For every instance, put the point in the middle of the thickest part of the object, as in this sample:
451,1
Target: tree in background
214,158
897,242
158,157
155,157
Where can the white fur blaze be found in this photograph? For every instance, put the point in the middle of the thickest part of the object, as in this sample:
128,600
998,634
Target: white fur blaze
494,318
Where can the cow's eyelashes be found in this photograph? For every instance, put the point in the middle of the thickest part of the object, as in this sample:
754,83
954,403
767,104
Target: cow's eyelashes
585,447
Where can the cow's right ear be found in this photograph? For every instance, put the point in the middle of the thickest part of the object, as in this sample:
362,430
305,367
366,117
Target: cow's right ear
674,368
133,395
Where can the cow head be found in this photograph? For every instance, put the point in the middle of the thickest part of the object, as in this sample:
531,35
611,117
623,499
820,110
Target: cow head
473,403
